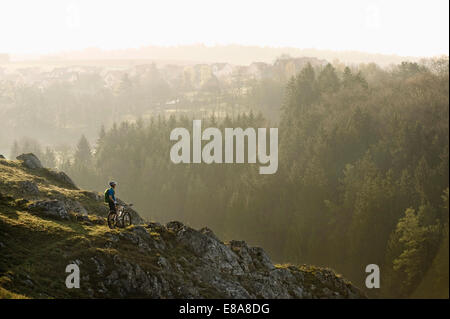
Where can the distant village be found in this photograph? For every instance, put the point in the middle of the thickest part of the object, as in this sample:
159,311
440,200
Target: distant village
76,96
197,76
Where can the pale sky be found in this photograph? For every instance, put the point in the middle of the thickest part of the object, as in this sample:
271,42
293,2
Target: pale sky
403,27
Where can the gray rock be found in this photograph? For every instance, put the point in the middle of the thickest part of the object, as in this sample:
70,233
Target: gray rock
132,280
282,275
63,178
30,160
174,226
298,292
260,258
240,248
231,289
51,208
130,237
99,264
140,230
209,232
28,188
207,248
162,262
113,237
143,238
153,226
74,206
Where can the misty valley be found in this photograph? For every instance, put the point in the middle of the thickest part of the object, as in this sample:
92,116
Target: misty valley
334,164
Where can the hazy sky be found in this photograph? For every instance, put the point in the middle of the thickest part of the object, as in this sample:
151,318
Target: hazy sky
404,27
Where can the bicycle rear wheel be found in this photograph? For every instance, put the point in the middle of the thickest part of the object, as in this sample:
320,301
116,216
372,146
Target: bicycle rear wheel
126,219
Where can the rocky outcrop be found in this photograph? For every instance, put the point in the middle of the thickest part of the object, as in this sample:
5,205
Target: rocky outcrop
59,209
146,261
62,178
76,207
30,160
187,263
50,208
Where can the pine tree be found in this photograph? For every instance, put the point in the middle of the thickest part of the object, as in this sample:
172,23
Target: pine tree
328,79
347,78
49,158
83,155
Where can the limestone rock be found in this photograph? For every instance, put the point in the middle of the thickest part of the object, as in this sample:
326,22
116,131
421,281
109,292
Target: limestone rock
28,188
30,160
62,178
51,208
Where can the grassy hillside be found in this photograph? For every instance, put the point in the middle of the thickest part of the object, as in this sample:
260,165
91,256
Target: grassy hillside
148,260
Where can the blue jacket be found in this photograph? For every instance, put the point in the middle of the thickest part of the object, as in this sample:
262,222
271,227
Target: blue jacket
111,193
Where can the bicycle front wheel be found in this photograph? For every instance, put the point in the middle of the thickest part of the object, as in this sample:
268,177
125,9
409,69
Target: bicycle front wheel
112,218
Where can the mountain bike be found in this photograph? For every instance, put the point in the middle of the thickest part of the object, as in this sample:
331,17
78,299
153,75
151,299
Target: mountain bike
119,218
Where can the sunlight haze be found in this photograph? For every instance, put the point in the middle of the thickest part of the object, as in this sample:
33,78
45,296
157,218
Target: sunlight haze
388,27
272,149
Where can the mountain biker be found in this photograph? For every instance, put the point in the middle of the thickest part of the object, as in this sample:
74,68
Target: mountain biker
110,196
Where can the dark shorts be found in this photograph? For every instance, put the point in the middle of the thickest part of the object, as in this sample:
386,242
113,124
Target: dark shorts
112,207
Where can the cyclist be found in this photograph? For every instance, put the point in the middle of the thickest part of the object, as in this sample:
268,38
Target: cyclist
110,196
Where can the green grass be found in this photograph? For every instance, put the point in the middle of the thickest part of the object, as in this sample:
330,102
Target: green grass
5,294
35,251
39,249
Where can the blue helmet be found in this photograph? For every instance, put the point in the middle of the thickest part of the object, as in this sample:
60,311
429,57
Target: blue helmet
112,183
